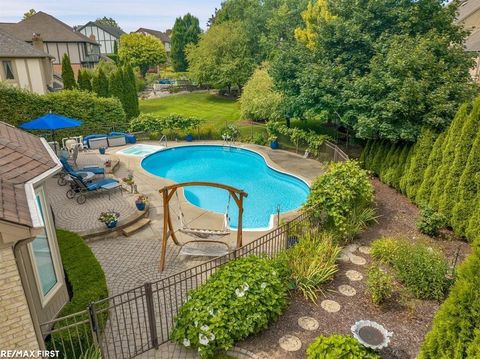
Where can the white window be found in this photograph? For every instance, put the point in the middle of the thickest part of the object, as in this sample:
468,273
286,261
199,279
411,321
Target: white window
43,256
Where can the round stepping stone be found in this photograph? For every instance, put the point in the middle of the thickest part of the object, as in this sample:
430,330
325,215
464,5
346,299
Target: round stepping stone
357,260
308,323
330,306
343,257
351,248
353,275
347,290
364,249
290,343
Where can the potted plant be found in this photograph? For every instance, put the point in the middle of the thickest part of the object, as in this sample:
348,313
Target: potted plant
110,218
101,150
141,201
189,138
108,163
273,139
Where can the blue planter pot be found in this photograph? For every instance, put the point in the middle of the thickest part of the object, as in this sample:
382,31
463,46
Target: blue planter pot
101,150
111,224
189,138
274,145
140,206
292,241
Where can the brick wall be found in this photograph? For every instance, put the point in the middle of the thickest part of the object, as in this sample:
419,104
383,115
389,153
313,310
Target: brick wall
16,324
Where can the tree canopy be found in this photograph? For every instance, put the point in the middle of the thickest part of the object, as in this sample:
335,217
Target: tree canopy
222,57
108,21
141,50
185,31
384,69
29,13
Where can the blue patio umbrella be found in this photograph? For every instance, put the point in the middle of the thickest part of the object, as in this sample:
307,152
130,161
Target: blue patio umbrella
51,122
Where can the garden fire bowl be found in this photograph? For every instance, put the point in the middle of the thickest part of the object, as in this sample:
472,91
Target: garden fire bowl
371,334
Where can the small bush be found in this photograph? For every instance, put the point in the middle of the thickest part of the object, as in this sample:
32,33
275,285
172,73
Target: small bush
238,300
344,190
339,346
421,269
312,262
430,221
380,285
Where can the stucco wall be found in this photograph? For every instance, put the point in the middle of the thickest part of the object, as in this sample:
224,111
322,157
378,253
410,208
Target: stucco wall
17,327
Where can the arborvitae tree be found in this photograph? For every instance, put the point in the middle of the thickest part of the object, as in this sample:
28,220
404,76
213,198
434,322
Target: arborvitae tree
389,176
371,154
100,83
462,151
130,92
387,162
419,163
455,327
467,190
67,74
453,135
379,157
401,164
84,80
115,85
434,161
364,154
402,184
473,230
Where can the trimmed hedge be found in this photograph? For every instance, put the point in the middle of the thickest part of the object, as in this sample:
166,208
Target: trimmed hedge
98,114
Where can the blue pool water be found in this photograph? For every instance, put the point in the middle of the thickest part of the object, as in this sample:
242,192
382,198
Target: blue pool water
240,168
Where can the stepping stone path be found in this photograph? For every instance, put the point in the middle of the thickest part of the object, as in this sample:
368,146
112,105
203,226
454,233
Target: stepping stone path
330,306
290,343
351,248
343,257
353,275
357,260
364,250
308,323
347,290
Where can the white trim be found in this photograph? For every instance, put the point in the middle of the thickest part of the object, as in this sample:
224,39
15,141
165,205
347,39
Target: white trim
30,187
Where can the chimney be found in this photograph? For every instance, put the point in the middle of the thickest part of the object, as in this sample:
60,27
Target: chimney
92,37
37,41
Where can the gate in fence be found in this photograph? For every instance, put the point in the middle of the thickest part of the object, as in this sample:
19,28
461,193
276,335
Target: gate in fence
140,319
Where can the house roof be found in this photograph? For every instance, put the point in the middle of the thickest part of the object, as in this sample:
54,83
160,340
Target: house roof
50,28
13,47
466,8
473,42
161,35
112,30
22,158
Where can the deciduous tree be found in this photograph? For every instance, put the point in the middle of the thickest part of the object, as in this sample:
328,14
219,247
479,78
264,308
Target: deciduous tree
185,31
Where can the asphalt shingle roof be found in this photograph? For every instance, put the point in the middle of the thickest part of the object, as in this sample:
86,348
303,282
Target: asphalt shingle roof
110,29
161,35
13,47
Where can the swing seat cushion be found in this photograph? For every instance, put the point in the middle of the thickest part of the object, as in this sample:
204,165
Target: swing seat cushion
204,249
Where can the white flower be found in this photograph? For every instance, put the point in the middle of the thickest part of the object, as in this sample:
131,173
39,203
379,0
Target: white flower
239,293
212,312
186,342
204,328
263,285
203,339
212,337
245,287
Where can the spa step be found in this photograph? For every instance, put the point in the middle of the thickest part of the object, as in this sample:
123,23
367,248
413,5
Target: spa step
127,231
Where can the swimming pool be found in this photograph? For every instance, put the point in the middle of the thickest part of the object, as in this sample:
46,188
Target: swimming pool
237,167
141,150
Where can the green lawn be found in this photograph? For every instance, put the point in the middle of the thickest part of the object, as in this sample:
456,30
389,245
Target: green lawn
213,109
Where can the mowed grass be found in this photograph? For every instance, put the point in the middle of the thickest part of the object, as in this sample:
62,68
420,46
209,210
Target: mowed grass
213,109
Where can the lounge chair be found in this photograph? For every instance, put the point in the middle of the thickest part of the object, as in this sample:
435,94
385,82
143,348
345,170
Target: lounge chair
80,189
69,170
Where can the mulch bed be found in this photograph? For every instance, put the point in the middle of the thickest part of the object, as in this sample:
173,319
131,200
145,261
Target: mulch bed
409,323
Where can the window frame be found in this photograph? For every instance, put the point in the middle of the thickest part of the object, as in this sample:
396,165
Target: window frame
50,233
13,69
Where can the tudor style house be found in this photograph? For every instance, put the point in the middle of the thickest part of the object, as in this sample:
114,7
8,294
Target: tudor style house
32,283
105,35
164,37
56,38
469,17
24,66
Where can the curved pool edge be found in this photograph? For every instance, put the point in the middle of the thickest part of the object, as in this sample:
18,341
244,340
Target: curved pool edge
268,162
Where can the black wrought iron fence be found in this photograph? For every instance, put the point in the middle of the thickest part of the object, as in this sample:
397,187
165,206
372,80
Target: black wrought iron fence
138,320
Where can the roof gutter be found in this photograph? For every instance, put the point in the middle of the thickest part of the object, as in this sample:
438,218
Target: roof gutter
37,220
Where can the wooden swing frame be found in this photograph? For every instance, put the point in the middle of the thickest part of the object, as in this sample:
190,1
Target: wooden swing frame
169,191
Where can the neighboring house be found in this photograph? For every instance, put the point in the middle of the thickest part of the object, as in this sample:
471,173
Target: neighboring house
32,284
162,36
105,35
24,66
56,38
469,17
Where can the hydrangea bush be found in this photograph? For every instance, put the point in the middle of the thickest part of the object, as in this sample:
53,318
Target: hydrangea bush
238,300
339,346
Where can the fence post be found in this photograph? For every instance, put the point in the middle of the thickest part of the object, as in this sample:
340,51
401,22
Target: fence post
151,314
92,314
